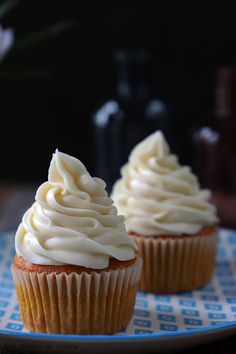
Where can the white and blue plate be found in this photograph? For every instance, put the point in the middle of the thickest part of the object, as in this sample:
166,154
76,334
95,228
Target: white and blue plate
160,322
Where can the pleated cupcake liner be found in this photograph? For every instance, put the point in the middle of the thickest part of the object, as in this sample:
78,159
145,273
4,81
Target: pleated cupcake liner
96,303
172,265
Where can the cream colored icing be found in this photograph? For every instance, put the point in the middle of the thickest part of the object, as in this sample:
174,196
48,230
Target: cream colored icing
157,195
73,221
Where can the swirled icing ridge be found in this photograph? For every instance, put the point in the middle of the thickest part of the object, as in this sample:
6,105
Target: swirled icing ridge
73,221
158,196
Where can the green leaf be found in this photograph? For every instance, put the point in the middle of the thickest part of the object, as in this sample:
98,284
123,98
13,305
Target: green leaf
39,36
23,73
7,6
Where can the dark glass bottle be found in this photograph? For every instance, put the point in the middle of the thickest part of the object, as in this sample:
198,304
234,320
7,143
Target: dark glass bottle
128,116
215,147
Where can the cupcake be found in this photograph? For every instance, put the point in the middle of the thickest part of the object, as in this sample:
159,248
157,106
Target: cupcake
169,217
76,270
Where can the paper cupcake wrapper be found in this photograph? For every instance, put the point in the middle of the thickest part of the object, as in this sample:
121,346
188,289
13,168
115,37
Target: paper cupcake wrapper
173,265
96,303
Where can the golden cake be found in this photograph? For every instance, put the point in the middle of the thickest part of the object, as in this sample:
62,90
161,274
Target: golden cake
76,270
169,216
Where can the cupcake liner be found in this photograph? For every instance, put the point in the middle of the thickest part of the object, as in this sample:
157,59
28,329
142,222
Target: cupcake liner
95,303
172,265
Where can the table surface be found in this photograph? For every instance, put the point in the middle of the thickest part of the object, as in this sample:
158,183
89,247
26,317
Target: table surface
16,198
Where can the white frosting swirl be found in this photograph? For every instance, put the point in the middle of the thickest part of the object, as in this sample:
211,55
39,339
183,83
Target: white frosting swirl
158,196
73,221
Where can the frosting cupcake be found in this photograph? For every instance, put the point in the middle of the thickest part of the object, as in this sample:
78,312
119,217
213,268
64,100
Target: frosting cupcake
76,270
169,217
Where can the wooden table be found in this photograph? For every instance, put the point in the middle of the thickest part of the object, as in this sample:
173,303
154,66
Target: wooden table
15,199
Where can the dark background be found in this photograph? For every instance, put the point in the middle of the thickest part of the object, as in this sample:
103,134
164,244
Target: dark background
187,40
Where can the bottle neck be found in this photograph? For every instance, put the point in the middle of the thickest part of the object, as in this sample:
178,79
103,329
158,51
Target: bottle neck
133,75
225,104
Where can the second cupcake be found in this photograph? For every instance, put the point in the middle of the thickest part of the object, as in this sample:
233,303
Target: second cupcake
169,216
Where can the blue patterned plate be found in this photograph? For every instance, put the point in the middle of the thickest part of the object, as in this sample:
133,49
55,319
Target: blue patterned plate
159,322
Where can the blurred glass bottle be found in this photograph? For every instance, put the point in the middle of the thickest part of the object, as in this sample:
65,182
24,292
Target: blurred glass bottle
215,146
128,116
